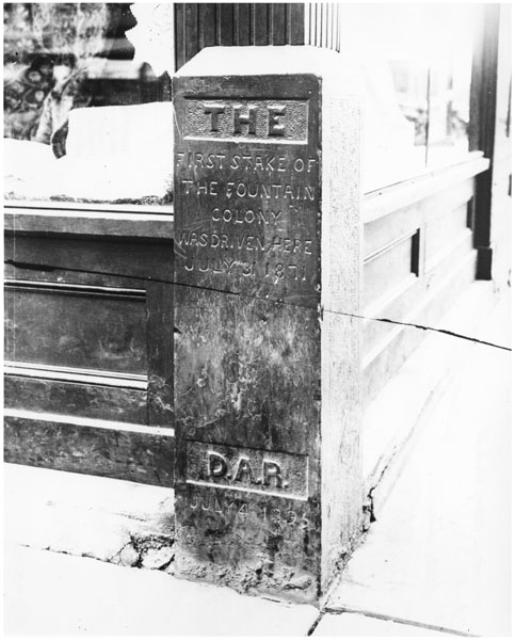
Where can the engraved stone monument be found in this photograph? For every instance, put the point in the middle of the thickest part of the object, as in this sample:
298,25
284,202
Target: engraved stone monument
267,249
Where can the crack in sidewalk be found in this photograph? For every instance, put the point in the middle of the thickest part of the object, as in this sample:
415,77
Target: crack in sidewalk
388,618
414,325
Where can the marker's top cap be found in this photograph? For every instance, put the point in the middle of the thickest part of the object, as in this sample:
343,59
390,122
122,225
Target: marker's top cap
259,61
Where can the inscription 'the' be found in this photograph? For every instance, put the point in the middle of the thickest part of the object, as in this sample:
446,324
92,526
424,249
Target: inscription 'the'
248,120
266,120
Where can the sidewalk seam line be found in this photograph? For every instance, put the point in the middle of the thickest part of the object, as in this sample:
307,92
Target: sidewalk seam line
315,624
389,618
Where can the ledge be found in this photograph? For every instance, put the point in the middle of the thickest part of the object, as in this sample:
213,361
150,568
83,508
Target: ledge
156,221
143,206
381,202
140,222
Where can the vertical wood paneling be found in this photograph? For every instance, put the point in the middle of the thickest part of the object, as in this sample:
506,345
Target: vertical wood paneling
279,24
334,28
320,29
242,18
199,25
270,27
296,23
327,30
207,25
323,25
180,41
252,24
261,24
191,27
226,26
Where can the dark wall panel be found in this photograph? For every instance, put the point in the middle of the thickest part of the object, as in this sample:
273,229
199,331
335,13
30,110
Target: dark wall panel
48,395
73,328
89,337
126,455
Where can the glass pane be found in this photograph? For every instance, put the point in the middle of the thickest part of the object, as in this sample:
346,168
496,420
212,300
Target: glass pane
384,41
449,95
79,109
415,64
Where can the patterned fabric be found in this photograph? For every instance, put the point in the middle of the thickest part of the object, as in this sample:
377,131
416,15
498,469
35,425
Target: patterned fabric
25,89
36,37
66,95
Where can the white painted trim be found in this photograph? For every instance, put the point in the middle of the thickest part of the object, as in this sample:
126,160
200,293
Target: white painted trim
94,423
106,378
381,202
65,287
93,210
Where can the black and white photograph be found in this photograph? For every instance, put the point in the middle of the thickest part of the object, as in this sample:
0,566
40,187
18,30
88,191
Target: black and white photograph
257,319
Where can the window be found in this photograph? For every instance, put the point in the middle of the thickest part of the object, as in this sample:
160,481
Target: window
410,62
78,105
414,65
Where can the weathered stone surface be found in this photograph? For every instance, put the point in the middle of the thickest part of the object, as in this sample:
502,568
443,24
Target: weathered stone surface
128,556
157,558
255,357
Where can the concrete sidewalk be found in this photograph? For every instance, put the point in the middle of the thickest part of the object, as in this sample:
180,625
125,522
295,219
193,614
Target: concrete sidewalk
53,594
440,552
437,561
48,593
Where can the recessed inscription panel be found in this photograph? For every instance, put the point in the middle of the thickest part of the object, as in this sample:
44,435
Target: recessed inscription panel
246,469
273,120
247,191
248,219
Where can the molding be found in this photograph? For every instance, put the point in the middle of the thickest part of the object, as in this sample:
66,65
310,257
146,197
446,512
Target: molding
92,207
388,247
70,374
414,315
381,202
93,423
74,289
35,219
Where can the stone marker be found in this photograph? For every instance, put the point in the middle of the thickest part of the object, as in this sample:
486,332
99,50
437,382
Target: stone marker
267,256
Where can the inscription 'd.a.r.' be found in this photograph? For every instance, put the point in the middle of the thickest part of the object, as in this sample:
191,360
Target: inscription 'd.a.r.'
261,119
246,469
